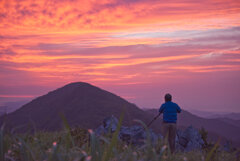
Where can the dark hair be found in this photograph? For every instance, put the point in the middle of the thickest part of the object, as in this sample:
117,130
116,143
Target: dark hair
168,97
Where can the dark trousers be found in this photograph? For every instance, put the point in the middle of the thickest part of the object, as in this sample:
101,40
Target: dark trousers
169,132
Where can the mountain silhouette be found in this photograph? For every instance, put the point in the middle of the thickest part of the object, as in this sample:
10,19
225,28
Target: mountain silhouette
86,106
81,104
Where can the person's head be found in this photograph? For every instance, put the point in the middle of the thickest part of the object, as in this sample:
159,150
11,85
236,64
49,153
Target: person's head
168,97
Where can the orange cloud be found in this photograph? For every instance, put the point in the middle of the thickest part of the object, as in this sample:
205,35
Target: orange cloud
78,17
137,61
44,58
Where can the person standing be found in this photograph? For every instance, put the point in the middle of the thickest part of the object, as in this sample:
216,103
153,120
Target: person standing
170,110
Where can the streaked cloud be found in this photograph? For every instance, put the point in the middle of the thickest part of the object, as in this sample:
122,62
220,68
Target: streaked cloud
16,96
213,68
132,43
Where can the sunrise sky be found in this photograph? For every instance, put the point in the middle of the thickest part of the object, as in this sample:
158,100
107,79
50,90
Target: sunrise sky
137,49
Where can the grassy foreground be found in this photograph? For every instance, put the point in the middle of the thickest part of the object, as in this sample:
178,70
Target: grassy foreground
83,145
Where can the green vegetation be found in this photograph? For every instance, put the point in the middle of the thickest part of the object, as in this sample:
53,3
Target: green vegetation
82,145
207,145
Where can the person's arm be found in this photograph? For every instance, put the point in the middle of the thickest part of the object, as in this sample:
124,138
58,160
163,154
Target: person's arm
178,109
161,109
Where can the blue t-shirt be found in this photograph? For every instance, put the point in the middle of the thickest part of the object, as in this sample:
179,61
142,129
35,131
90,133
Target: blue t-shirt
170,110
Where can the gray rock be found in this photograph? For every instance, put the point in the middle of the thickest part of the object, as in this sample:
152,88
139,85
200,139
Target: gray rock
135,135
109,125
188,140
132,135
227,146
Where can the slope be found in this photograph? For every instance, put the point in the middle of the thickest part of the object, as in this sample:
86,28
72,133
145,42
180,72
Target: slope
82,104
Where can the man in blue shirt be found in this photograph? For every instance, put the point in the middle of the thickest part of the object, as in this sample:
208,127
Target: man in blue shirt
170,110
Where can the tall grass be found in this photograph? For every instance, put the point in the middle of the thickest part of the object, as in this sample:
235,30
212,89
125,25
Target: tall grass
81,145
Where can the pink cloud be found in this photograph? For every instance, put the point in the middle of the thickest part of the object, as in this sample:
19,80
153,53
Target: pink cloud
124,46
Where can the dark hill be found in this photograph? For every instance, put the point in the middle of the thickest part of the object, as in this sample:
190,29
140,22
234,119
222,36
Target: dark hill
82,104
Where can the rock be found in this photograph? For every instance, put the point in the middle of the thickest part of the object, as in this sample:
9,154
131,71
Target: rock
132,135
109,125
186,140
228,146
189,139
135,135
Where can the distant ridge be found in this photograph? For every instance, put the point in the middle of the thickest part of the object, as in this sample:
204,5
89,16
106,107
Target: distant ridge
216,114
217,128
81,103
233,116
